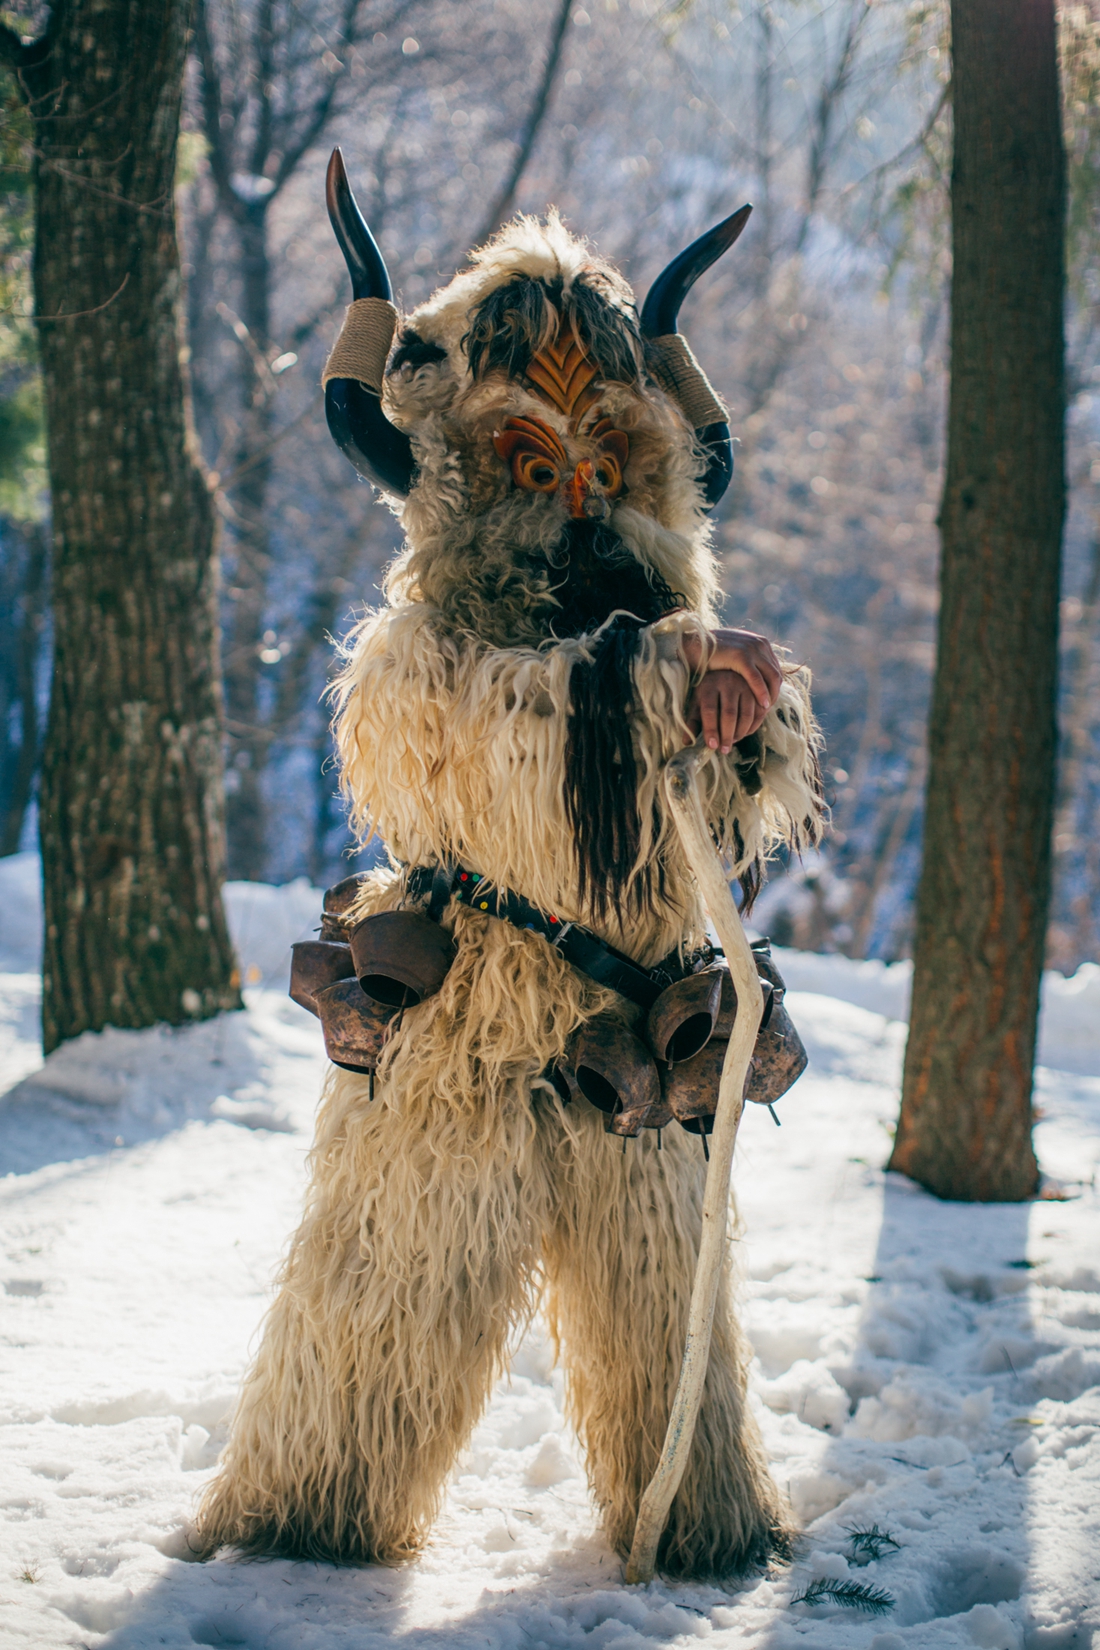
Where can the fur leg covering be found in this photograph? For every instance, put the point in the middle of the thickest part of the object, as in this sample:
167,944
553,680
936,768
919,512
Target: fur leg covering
416,1259
431,1216
620,1263
404,1282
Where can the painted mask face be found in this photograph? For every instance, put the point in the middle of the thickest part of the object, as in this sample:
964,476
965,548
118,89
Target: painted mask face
589,477
540,464
538,311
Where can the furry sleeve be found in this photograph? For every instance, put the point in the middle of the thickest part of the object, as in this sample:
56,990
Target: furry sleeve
452,750
766,793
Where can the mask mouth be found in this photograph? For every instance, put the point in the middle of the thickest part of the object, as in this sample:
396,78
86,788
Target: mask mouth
583,539
594,573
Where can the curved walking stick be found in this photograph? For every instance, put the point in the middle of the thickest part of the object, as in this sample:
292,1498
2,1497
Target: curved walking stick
681,789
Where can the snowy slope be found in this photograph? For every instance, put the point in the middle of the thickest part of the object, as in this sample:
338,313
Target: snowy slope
912,1371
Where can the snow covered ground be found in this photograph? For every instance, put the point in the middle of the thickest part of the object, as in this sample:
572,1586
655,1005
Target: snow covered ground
930,1369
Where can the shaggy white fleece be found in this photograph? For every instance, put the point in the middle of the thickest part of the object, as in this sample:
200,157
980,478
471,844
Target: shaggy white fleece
440,1214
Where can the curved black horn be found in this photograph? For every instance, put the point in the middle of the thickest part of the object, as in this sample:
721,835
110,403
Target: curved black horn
716,441
659,317
369,276
378,449
661,310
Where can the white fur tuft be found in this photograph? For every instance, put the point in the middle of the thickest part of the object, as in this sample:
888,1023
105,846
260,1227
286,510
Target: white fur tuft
441,1212
526,246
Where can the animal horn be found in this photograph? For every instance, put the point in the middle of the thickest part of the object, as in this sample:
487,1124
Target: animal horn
661,310
659,318
378,449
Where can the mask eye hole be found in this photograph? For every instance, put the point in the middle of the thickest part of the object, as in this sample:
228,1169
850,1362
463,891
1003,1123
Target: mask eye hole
534,473
534,453
609,476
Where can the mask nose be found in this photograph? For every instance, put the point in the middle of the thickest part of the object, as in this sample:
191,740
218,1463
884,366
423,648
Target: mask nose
585,504
579,489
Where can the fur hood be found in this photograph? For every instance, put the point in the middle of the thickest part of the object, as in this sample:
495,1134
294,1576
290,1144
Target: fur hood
541,250
479,549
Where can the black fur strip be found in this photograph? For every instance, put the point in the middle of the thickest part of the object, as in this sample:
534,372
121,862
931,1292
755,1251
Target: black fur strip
601,776
751,879
508,326
594,573
414,351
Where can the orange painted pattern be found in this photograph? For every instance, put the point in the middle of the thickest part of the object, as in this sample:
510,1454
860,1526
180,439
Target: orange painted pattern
562,372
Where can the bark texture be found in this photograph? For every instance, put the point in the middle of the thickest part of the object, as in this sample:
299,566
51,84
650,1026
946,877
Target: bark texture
132,837
249,737
965,1126
26,600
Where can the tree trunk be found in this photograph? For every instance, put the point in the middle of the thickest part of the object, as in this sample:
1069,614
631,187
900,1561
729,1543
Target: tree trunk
131,821
20,751
965,1125
249,732
1072,940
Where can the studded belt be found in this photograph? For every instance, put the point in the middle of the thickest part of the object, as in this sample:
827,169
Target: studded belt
579,946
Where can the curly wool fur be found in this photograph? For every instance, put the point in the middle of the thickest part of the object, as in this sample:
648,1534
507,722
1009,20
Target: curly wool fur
435,1217
477,549
455,751
470,536
439,1216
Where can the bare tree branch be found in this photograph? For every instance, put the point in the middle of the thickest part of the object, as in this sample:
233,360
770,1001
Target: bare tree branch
322,111
220,169
264,35
831,91
504,201
280,435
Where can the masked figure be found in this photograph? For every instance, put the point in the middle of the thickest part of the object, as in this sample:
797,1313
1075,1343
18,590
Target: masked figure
536,980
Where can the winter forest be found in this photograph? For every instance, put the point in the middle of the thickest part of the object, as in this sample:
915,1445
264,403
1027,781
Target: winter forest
461,1282
826,334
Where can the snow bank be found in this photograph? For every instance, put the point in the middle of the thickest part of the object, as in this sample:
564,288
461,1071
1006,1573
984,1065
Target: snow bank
1069,1024
20,914
108,1089
264,921
929,1369
1069,1018
881,987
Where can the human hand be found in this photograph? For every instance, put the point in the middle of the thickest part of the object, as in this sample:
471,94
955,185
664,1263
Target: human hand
741,684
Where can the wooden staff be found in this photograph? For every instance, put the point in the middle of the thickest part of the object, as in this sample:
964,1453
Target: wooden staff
681,787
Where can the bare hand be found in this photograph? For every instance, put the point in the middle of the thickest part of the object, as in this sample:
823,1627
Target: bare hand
741,684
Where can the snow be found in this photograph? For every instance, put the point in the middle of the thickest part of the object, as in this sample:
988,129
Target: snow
1069,1022
929,1368
265,921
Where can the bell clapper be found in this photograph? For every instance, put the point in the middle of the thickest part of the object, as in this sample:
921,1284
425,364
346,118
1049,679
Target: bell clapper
775,1118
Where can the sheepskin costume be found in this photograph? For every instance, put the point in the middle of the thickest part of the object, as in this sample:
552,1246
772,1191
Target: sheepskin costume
510,710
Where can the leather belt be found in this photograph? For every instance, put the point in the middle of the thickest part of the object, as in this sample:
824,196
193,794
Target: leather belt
579,946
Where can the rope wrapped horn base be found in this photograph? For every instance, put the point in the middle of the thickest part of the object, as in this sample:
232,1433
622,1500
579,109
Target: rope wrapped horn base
363,345
679,374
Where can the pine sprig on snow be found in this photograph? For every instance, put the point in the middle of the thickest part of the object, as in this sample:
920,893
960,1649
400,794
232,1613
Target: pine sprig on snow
866,1545
853,1595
